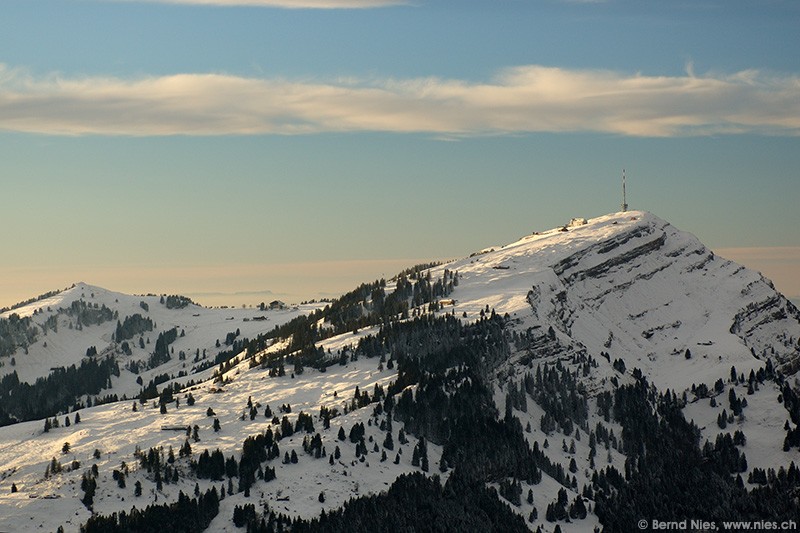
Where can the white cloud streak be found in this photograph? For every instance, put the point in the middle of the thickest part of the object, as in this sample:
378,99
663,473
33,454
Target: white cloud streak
522,99
285,4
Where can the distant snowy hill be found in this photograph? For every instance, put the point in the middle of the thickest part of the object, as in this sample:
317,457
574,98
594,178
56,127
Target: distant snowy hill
61,341
547,344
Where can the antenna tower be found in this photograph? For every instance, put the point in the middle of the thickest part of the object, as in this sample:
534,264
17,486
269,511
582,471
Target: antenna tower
624,199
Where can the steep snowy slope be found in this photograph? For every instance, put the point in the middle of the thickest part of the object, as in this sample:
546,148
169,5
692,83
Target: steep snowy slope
202,330
633,287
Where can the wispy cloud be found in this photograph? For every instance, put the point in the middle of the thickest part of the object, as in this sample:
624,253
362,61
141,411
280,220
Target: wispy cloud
285,4
522,99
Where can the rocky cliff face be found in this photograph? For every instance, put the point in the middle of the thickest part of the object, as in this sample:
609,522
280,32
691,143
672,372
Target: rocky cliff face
634,286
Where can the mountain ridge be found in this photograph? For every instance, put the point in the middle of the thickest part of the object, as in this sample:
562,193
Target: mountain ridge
595,277
610,300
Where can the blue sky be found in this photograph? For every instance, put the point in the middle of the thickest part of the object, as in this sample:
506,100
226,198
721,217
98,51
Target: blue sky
301,147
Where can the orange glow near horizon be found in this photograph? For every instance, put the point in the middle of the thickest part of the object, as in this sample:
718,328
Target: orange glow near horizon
250,284
209,285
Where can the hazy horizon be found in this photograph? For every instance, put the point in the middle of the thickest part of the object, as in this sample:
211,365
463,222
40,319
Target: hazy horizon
302,282
212,146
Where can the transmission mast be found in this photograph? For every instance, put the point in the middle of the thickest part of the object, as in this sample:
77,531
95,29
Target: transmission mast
624,199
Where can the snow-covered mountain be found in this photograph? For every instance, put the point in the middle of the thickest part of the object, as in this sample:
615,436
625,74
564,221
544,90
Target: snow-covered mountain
590,308
634,286
61,341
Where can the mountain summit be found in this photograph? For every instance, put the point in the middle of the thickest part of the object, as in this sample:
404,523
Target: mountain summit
634,286
584,378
